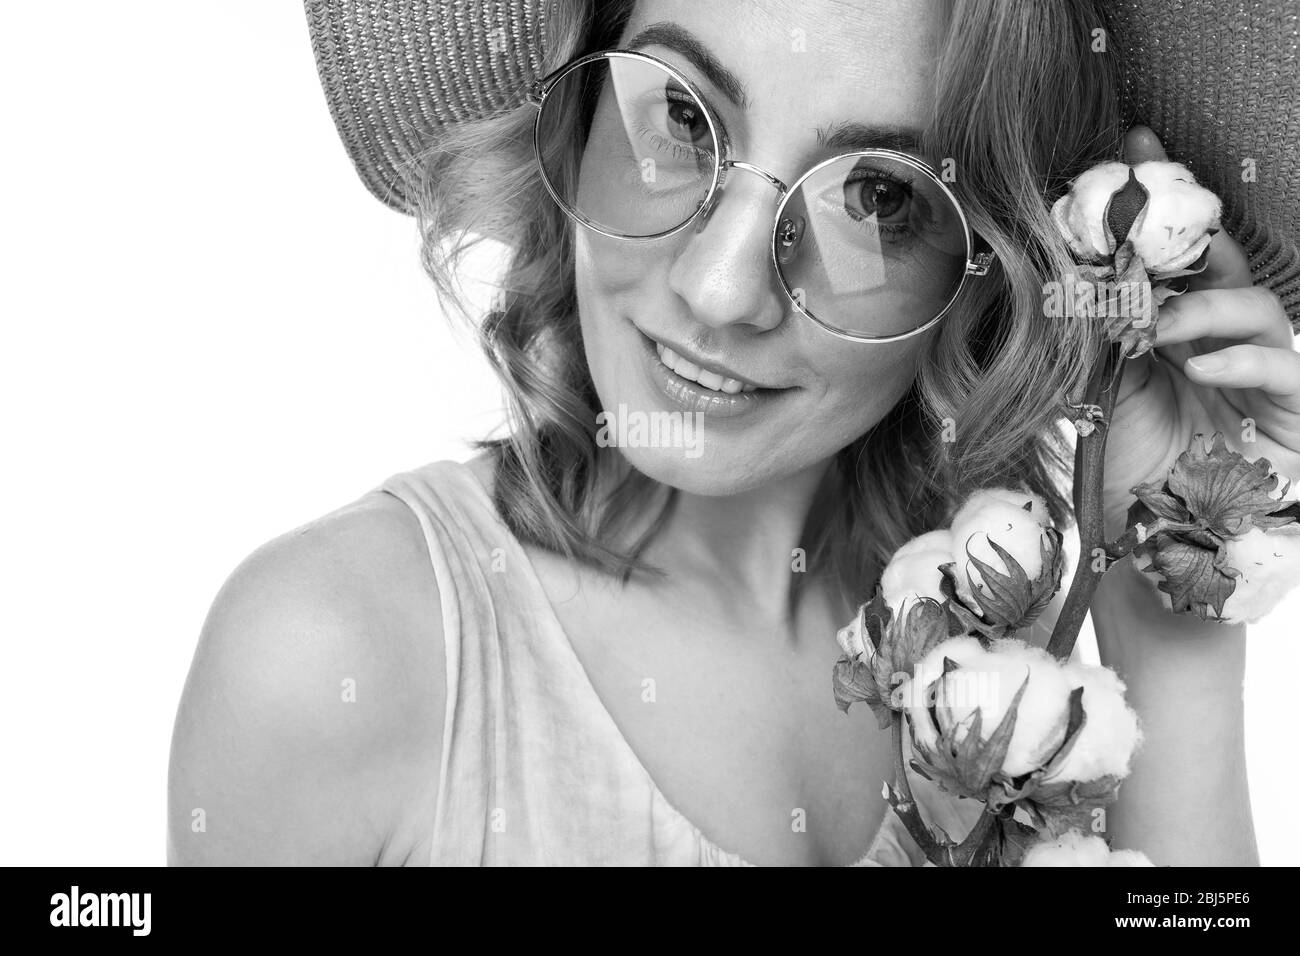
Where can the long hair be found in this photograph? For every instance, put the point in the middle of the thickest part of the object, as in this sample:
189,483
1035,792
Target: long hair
1026,99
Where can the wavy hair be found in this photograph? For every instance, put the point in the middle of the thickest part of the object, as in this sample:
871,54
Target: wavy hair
1025,101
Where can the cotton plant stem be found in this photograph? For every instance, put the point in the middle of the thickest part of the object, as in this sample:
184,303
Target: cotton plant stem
1089,465
904,804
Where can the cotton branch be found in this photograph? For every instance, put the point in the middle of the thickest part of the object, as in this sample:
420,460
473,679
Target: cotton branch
1089,507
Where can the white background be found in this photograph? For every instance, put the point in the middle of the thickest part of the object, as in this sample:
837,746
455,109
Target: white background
212,334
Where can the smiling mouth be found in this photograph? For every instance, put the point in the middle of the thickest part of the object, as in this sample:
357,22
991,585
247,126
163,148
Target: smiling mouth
700,375
711,379
713,391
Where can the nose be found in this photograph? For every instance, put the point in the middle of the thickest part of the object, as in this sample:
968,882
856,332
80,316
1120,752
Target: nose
724,271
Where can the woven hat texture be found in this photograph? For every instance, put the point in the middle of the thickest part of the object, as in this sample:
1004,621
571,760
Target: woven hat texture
395,71
1219,82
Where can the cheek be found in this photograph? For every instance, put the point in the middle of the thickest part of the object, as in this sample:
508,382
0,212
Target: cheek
862,383
610,277
606,268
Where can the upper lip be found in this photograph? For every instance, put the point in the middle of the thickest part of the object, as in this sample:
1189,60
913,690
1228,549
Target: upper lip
709,365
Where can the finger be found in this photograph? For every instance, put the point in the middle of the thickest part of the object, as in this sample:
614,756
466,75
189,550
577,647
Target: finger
1253,315
1226,267
1142,145
1275,372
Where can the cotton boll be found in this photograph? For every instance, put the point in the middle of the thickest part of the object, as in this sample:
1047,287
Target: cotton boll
1080,214
852,638
911,694
913,571
1013,528
1128,858
990,683
1171,231
940,540
1044,709
1110,734
1071,848
913,575
1011,496
1074,848
962,651
1269,562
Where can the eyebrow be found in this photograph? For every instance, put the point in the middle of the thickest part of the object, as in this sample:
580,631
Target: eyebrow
838,136
855,136
678,38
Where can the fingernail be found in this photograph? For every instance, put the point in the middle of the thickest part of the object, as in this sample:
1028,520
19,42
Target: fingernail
1208,364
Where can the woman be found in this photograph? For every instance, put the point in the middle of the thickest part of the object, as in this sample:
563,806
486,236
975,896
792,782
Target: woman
572,651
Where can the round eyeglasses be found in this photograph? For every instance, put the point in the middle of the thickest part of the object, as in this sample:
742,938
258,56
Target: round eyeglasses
870,245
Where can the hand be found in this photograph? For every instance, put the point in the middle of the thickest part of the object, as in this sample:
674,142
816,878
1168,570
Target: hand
1225,352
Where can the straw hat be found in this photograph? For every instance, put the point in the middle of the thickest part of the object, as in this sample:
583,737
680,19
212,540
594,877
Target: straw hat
1217,80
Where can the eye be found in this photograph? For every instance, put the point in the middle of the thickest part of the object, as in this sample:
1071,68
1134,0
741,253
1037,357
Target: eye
868,193
684,120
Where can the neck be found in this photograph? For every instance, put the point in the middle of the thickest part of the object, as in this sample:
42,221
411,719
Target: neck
736,557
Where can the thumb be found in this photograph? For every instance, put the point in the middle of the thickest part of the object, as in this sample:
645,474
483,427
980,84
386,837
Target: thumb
1141,145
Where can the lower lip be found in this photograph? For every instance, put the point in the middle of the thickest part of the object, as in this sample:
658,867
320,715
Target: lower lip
693,397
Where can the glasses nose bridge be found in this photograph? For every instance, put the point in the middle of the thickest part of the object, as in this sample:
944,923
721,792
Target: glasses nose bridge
780,187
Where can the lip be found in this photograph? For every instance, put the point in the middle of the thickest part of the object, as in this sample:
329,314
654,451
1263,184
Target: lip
692,397
708,364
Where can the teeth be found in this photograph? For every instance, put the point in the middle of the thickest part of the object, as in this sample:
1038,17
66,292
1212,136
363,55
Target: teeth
701,376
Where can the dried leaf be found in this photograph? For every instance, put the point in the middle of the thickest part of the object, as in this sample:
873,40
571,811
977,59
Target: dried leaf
962,762
1159,503
1016,839
925,626
1069,804
892,648
1225,492
1192,576
852,682
963,619
1013,601
876,617
1077,717
1131,306
1003,595
1211,494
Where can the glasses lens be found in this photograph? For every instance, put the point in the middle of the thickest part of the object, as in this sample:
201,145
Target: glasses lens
871,245
625,147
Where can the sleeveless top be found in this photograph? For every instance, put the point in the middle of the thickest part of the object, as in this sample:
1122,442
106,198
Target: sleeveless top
534,770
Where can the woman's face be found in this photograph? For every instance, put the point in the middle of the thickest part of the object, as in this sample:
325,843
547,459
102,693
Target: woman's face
712,296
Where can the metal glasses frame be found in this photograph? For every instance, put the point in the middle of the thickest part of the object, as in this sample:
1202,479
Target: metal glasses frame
977,263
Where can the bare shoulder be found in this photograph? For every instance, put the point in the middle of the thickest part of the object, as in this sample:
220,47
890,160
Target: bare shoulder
309,730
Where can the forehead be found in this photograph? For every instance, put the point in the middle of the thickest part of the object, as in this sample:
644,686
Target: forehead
811,62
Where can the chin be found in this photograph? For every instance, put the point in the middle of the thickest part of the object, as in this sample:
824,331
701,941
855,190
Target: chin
713,474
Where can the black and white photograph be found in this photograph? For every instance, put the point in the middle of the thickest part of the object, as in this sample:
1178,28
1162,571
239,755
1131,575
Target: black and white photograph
638,433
